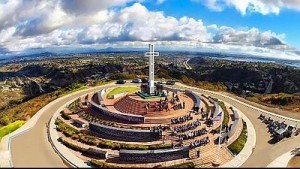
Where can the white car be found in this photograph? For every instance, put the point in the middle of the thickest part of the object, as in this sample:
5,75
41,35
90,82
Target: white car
137,81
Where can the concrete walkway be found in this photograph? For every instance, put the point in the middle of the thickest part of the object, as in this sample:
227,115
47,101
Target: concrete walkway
283,160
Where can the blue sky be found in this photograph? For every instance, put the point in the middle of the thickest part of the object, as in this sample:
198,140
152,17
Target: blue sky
287,22
269,28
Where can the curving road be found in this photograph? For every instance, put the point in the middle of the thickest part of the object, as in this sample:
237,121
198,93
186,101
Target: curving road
32,148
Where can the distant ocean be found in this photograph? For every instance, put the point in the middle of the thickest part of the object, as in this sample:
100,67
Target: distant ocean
294,63
297,64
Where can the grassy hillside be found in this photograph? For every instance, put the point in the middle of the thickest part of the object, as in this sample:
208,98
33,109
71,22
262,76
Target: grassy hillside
290,102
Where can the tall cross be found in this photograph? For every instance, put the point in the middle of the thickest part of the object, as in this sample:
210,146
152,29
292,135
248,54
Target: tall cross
151,55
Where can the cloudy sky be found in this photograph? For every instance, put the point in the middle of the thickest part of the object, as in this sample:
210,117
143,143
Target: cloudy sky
262,27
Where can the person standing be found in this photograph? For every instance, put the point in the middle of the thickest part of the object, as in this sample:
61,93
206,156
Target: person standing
198,153
146,107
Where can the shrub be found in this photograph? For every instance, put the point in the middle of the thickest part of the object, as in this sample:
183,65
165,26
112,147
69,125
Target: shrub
101,164
87,139
118,146
117,76
134,147
160,146
72,146
65,115
65,128
183,165
105,144
74,106
75,136
237,146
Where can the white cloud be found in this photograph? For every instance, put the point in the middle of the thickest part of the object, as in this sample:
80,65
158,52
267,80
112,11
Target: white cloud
80,7
7,34
260,6
160,1
251,37
136,23
47,24
216,5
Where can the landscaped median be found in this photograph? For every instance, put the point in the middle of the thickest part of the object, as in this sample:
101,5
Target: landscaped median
237,146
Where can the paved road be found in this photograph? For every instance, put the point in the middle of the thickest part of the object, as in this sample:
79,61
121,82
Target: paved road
264,153
187,66
32,148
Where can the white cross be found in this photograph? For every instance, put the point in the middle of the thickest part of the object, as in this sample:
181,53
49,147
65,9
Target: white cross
151,55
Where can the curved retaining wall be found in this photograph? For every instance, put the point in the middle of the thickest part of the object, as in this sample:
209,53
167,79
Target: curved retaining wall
117,114
235,123
195,97
100,95
128,134
153,155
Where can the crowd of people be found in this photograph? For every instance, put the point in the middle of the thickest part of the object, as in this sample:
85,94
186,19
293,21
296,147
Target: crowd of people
186,127
175,98
200,142
193,134
209,122
163,104
204,114
182,119
179,105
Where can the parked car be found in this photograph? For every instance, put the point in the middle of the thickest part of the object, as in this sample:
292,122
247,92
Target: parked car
144,80
170,82
137,81
284,132
121,81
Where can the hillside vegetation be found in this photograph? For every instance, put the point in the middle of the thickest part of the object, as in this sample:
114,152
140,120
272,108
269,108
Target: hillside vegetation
10,128
290,102
24,111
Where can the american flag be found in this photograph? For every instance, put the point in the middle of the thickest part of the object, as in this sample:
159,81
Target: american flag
218,117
